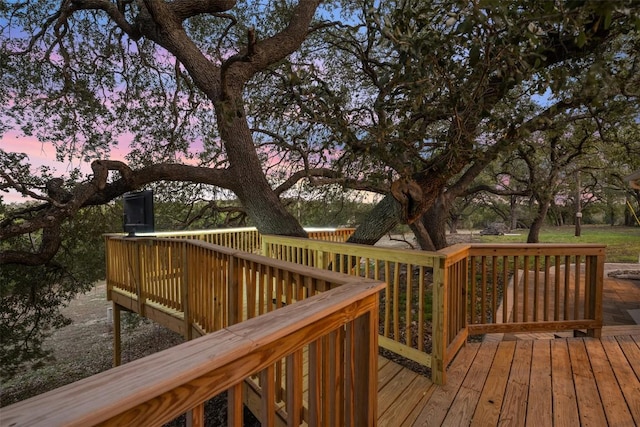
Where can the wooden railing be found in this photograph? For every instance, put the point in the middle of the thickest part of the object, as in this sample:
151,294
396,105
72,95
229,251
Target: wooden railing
330,234
243,239
465,290
246,239
405,302
268,313
337,329
197,288
544,288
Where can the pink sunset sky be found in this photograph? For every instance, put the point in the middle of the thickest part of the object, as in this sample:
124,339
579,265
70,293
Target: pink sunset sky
44,154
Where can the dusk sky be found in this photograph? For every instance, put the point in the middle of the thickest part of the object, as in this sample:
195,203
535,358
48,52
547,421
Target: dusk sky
42,154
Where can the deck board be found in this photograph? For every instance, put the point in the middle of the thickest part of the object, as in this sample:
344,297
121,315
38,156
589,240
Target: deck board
629,383
632,351
589,403
488,409
565,405
561,382
394,390
409,398
615,407
464,405
540,409
438,405
514,406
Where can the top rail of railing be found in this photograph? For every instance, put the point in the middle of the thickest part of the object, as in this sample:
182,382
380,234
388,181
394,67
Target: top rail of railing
246,239
434,300
442,297
158,388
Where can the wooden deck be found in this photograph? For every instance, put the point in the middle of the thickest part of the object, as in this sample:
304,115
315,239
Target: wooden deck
527,373
561,382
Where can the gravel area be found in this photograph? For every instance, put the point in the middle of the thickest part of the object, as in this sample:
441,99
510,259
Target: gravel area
85,348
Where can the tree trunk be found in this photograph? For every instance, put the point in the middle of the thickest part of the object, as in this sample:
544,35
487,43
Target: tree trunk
435,221
538,222
382,218
251,186
422,236
454,222
513,215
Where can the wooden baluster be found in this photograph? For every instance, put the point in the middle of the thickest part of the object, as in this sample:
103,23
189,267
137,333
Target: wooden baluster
315,383
421,306
576,284
516,287
396,302
556,314
536,288
494,288
525,290
505,289
407,307
195,417
483,291
294,389
473,296
567,285
267,407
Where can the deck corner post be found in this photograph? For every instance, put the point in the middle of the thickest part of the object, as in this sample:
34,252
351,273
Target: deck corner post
595,276
108,265
117,341
439,327
139,274
366,368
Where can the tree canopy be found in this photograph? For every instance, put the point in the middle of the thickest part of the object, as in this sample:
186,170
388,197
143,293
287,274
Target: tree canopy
395,97
229,106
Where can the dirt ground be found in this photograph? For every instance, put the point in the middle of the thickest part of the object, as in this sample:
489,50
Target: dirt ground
85,347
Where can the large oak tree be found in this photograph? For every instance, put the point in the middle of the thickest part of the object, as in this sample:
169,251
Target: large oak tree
403,98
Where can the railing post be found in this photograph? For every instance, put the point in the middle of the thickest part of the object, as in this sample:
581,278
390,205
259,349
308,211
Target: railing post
186,309
109,266
595,277
265,248
234,292
117,349
439,319
136,273
365,384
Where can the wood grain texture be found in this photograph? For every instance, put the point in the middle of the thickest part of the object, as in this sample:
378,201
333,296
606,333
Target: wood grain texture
166,384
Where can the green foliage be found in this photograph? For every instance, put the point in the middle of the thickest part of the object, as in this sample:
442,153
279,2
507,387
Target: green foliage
31,296
623,243
31,299
329,209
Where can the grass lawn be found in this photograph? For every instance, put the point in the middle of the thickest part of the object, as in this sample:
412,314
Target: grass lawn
623,243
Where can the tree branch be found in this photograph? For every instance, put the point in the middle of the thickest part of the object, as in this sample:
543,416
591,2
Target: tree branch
115,12
269,51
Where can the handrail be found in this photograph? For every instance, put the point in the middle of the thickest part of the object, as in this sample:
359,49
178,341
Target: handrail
246,239
195,288
157,388
408,275
462,292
